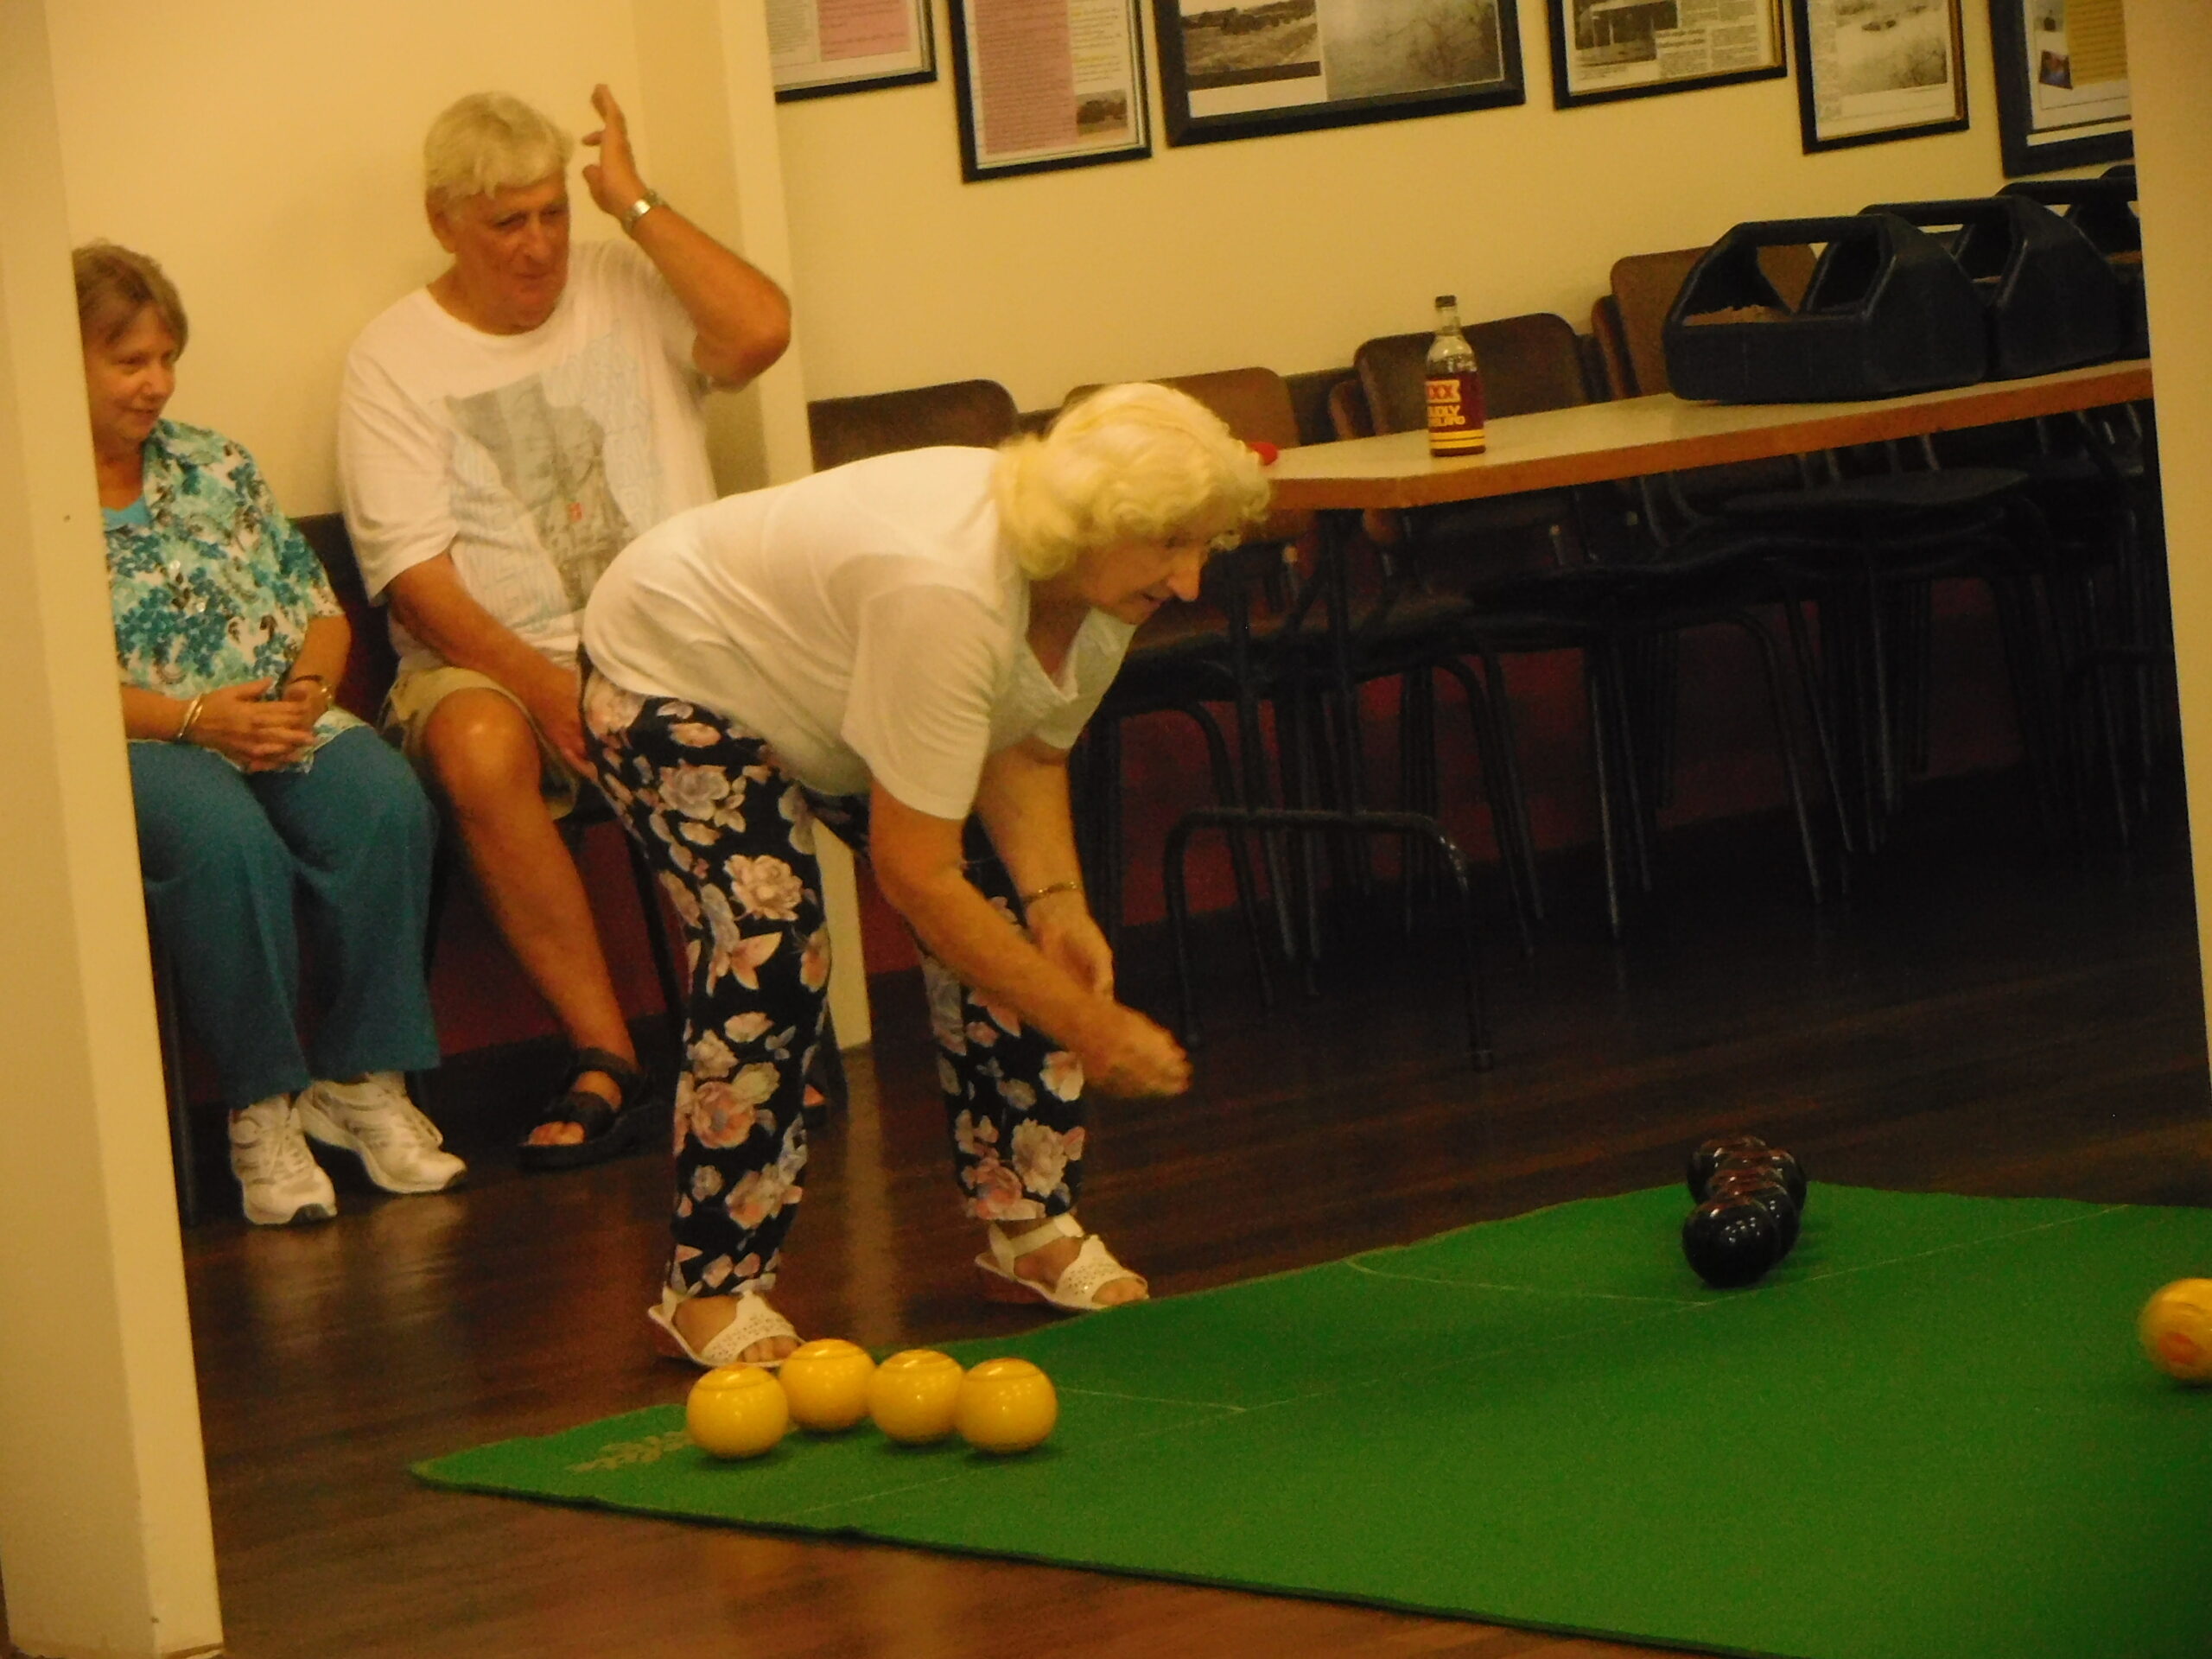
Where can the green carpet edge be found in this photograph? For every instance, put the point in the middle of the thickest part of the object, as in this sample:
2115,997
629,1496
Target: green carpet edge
424,1473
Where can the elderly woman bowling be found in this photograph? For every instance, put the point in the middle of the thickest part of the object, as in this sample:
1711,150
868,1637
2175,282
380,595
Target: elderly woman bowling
893,647
260,805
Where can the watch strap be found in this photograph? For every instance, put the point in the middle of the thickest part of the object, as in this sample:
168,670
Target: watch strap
638,209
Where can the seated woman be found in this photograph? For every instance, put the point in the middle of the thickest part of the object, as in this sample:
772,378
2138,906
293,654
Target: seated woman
893,644
249,786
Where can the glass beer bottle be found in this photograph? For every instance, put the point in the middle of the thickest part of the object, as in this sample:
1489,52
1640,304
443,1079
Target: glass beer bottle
1455,388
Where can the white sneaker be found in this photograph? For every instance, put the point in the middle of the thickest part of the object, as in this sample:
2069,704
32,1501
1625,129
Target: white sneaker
278,1175
374,1119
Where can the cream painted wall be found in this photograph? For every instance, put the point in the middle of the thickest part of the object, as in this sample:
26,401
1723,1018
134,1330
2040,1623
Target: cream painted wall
1287,252
270,155
2170,60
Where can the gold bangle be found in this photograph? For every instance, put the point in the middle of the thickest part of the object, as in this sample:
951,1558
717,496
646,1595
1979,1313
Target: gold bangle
1049,889
191,719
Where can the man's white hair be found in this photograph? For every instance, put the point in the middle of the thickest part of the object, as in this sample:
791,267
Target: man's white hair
488,142
1136,462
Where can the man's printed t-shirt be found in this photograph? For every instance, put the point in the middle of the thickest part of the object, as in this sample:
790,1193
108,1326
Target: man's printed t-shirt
532,458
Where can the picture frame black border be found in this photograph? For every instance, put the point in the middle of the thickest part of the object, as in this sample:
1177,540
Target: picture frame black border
1184,128
2016,110
921,77
1564,99
1807,120
972,170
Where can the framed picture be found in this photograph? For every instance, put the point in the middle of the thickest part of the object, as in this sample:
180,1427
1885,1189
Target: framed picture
817,48
1250,68
1605,50
2062,84
1048,83
1869,71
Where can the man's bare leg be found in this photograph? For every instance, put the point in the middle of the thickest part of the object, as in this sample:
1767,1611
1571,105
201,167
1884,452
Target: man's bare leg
485,761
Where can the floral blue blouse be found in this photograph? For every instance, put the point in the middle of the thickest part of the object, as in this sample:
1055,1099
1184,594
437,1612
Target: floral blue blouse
211,585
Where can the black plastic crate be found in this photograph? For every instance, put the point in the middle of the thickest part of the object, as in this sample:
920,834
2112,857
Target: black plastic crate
2103,210
1888,312
2052,301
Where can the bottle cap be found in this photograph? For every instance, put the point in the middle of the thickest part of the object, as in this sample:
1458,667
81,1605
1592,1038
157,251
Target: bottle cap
1452,300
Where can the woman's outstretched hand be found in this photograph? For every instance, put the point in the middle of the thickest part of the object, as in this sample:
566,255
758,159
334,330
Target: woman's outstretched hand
1127,1054
253,733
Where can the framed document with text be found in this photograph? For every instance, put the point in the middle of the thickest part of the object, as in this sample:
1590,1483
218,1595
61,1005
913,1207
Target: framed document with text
816,47
2062,84
1869,71
1048,83
1605,50
1231,70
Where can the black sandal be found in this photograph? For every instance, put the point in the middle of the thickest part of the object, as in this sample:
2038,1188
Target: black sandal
609,1131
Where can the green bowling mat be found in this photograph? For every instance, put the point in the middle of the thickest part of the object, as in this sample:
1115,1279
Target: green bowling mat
1929,1432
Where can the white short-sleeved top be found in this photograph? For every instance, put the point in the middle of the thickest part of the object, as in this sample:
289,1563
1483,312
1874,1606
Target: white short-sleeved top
534,458
868,621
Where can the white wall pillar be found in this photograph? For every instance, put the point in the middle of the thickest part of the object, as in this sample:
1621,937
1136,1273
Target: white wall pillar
104,1543
2170,65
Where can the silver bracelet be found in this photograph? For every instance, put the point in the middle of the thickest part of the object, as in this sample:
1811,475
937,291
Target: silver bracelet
1049,889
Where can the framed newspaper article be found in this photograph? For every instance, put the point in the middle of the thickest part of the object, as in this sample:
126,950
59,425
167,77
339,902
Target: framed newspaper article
816,47
2062,84
1869,71
1250,68
1048,83
1605,50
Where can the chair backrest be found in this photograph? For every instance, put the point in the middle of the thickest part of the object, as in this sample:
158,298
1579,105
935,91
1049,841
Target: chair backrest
1309,396
1643,289
370,662
978,413
1348,415
1612,341
1528,362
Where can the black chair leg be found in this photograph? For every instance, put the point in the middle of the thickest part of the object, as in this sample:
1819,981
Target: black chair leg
1226,794
1810,687
1599,742
1785,744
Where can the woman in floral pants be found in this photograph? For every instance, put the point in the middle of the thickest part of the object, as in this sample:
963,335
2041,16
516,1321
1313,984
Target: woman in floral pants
894,645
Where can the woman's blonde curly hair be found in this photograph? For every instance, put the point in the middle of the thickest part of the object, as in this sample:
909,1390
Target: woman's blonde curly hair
1135,462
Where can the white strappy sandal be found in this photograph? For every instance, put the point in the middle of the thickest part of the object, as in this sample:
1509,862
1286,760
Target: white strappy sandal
1076,1290
753,1321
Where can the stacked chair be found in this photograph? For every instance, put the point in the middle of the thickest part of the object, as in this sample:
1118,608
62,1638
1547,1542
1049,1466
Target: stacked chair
1563,570
1864,536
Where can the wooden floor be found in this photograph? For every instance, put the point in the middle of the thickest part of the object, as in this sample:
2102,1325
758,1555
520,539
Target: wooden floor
1978,1018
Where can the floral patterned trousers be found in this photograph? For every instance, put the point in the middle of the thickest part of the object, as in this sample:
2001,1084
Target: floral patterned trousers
733,837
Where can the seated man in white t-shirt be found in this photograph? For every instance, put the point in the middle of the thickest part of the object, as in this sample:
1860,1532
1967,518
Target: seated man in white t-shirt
502,432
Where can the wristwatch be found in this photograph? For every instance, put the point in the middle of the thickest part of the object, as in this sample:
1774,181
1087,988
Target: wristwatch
638,209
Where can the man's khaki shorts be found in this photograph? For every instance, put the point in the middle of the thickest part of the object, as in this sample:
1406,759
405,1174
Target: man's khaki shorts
415,696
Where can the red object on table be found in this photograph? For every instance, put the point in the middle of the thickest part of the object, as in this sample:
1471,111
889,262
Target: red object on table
1267,452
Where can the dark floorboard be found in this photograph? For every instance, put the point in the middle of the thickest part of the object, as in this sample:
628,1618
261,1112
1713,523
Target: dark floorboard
1978,1018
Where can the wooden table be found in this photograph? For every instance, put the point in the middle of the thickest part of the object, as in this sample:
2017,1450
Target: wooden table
1639,436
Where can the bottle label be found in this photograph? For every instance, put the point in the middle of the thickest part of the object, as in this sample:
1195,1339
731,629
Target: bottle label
1455,415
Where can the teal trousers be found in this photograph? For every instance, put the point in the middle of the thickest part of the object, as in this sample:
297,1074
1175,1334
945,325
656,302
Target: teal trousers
237,866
